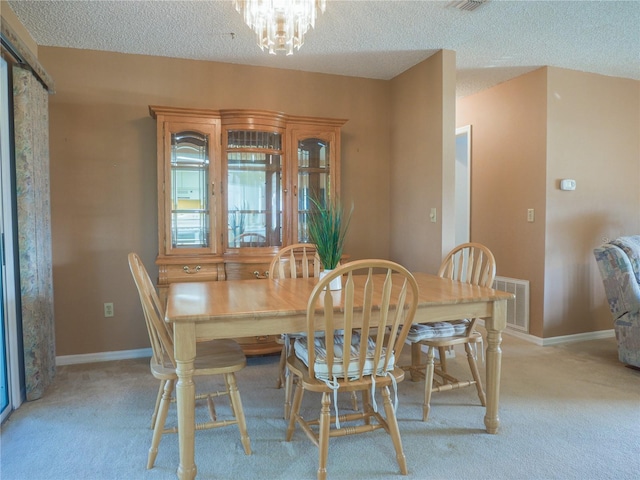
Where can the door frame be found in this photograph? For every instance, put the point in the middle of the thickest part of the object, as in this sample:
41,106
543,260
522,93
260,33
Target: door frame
8,227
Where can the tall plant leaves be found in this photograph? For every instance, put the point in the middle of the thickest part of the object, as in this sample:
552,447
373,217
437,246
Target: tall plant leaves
328,227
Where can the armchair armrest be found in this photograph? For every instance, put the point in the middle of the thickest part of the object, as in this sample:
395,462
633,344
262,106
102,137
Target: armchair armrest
620,283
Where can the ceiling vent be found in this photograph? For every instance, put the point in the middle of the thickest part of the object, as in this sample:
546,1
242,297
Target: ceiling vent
467,4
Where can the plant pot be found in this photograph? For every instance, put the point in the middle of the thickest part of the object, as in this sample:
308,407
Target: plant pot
335,284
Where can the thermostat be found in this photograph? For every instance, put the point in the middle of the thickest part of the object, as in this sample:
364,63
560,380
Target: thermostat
567,184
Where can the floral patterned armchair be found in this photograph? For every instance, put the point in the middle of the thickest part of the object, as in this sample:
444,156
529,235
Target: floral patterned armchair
619,264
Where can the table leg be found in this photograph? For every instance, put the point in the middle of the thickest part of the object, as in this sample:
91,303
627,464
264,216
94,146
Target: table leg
185,353
495,325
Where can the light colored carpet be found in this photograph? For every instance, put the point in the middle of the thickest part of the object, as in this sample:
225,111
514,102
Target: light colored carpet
567,412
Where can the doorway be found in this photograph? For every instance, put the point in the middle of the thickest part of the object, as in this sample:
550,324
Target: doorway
463,185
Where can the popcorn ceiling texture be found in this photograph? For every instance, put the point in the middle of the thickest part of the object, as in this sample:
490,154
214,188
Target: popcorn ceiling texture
370,39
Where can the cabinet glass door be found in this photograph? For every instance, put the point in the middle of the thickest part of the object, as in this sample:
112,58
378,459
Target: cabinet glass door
190,212
254,189
313,179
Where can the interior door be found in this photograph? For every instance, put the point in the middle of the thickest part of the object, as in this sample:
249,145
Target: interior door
463,185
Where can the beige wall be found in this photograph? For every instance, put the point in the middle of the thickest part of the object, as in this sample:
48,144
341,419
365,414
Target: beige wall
593,128
103,176
423,158
526,135
508,150
103,173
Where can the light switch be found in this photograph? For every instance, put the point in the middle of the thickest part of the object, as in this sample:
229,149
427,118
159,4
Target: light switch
433,216
531,215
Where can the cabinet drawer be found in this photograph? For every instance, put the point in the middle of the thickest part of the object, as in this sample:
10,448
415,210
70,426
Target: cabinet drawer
187,272
246,271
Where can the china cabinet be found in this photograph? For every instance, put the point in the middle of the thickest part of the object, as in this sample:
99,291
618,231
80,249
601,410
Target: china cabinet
233,187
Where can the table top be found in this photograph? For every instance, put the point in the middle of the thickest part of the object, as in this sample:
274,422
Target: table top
201,301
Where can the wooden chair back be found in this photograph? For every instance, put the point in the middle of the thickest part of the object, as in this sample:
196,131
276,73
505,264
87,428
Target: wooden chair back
160,335
297,260
471,263
378,301
250,239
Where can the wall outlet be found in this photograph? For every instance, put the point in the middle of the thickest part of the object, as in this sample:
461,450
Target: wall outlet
108,310
531,215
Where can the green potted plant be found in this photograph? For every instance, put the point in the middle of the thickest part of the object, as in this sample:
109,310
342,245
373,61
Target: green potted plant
328,224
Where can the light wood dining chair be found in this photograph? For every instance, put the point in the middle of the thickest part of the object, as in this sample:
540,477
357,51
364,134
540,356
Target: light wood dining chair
216,357
299,260
471,263
376,312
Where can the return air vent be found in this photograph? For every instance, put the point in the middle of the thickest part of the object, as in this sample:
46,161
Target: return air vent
467,4
518,307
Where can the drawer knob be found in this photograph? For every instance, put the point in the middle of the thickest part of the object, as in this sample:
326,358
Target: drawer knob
187,270
259,275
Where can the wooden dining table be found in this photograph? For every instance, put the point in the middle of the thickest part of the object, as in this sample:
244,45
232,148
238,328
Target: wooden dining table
245,308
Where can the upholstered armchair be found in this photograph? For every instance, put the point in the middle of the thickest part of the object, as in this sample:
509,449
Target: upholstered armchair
619,264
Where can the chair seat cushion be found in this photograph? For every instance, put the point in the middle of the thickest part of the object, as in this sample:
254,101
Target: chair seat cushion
321,369
419,332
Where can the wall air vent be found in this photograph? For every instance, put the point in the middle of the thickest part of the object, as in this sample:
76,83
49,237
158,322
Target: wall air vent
467,4
518,307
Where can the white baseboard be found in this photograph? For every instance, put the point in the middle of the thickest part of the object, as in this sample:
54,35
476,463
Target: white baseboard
578,337
146,352
545,342
102,356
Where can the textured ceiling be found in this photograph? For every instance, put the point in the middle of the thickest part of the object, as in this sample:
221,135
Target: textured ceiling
371,39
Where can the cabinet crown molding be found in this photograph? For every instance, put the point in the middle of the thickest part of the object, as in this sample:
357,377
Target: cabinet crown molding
245,116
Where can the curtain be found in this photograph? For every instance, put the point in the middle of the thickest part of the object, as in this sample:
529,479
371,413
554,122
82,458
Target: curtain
31,129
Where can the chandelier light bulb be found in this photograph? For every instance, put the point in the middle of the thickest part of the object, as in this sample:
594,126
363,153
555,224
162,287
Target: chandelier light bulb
280,25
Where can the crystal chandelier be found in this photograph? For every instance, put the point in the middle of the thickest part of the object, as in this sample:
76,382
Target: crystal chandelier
280,25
